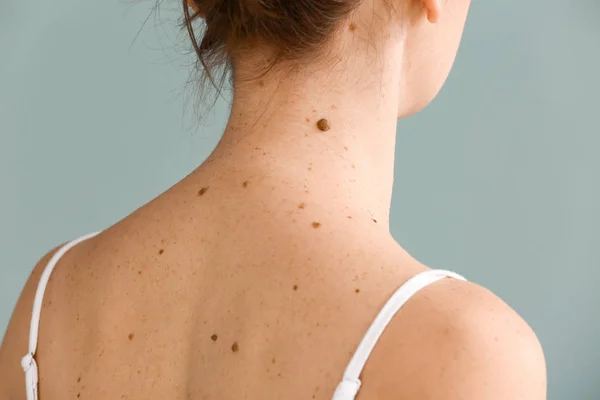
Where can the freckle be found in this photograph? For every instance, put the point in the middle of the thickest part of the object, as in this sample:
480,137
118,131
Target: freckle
353,166
214,337
273,360
346,148
307,119
77,317
257,148
357,291
264,154
161,251
78,379
349,217
316,225
314,110
261,83
333,107
131,335
309,168
49,303
139,372
235,347
352,27
295,287
245,184
139,272
323,125
279,374
301,206
202,191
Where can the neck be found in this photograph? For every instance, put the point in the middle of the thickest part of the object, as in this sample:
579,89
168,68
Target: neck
273,136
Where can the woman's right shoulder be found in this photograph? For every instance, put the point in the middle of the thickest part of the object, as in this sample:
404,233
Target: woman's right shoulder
457,340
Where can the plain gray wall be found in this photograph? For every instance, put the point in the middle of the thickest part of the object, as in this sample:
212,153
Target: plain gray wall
497,179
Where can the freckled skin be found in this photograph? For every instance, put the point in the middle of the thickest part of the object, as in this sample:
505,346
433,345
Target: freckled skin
272,243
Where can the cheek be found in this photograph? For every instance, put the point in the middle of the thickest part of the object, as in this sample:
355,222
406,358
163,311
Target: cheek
431,54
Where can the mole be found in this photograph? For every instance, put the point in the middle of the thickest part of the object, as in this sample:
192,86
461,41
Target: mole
245,184
374,220
316,225
323,125
301,206
357,291
78,379
295,287
161,251
78,395
349,216
131,335
346,148
202,191
352,27
214,337
235,347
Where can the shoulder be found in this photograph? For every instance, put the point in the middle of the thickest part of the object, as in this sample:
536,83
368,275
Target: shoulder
16,338
457,340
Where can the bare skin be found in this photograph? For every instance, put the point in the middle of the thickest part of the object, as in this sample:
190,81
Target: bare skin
258,274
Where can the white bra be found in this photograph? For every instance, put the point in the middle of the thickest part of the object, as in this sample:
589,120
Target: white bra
346,390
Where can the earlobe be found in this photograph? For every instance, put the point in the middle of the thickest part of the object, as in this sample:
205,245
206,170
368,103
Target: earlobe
434,10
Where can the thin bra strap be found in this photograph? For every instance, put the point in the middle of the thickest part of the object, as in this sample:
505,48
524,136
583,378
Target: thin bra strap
348,388
28,362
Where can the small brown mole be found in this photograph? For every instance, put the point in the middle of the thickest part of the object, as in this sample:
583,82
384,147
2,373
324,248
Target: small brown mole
316,225
295,287
307,119
352,27
78,395
161,251
301,206
235,347
130,337
214,337
245,184
357,291
202,191
349,216
374,220
323,125
273,360
78,379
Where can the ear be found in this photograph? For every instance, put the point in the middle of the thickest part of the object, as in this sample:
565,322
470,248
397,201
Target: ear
192,4
434,10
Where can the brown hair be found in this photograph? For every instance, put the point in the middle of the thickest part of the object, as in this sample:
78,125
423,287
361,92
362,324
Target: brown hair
289,29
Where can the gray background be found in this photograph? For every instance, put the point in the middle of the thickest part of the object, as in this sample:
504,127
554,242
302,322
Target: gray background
497,179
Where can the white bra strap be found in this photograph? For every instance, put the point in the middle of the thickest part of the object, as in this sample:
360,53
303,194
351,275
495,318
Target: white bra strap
28,362
348,388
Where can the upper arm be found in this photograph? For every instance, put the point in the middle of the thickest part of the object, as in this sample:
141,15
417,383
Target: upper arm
16,339
456,340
